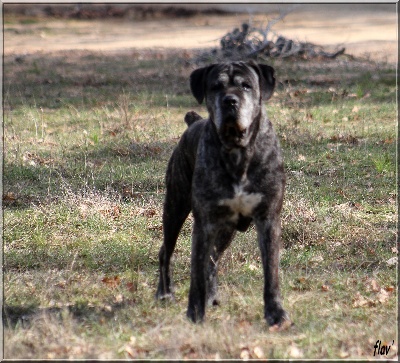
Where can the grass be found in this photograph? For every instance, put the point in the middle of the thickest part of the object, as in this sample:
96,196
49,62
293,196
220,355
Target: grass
85,153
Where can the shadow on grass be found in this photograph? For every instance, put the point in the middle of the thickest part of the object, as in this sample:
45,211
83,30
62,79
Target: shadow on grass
25,316
88,79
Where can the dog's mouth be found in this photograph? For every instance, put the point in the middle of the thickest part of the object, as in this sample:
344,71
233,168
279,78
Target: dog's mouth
232,134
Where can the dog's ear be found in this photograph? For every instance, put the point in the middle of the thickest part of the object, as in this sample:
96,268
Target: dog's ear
198,83
267,79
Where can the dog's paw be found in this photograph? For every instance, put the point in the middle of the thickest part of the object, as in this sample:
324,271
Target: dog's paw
277,318
195,315
164,295
284,325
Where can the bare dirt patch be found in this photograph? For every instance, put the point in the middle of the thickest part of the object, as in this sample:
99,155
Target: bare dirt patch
362,32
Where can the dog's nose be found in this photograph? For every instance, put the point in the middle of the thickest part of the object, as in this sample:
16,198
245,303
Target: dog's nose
230,100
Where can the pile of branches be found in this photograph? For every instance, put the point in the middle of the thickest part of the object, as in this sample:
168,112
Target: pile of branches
252,42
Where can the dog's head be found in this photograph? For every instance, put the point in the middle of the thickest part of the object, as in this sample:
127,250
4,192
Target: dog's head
234,93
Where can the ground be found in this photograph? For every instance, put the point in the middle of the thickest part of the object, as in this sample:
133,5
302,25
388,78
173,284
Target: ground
92,112
362,30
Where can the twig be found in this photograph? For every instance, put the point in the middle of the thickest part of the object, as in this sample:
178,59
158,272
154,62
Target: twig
252,42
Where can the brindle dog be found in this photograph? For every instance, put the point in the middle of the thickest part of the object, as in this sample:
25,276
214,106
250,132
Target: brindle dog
228,170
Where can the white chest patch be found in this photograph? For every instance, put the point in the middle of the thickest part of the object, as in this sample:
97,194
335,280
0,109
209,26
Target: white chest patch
242,202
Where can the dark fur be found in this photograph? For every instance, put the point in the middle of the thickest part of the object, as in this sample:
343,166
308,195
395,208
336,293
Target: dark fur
228,171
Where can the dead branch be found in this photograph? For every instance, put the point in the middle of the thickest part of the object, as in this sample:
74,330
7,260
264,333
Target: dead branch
255,42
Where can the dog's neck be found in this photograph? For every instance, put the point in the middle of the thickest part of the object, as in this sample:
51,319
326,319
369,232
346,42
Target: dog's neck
237,160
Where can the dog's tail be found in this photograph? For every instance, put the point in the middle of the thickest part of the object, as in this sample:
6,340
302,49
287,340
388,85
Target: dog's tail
191,117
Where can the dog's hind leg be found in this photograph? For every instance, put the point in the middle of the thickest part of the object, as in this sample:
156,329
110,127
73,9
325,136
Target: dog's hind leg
172,223
177,206
201,245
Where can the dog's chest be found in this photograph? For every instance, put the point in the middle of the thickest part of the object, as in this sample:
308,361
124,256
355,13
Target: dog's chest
242,202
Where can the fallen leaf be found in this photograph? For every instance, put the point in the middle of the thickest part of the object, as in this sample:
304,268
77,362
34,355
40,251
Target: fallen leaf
355,109
258,352
383,296
112,282
121,151
132,340
244,324
155,149
372,285
392,261
148,212
253,267
9,197
295,352
116,210
132,287
188,351
155,228
245,354
61,284
112,212
316,259
300,283
131,351
285,325
325,288
360,301
119,299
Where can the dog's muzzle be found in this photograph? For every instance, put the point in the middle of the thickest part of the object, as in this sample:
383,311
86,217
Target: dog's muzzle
230,130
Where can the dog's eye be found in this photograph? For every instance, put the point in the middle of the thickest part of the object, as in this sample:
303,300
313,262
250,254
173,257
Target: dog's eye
246,86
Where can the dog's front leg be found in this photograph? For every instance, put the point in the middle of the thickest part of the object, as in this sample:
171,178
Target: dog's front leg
201,246
269,241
